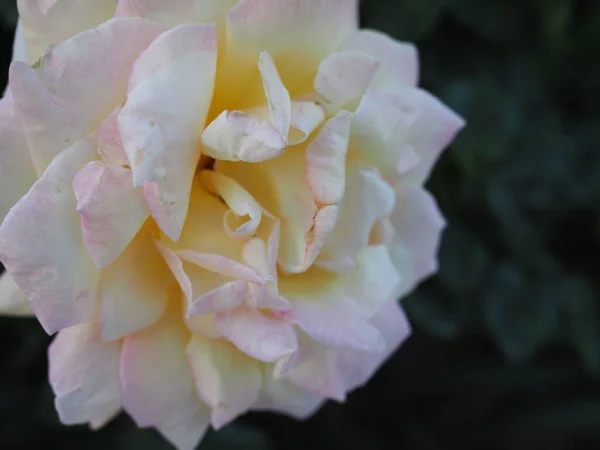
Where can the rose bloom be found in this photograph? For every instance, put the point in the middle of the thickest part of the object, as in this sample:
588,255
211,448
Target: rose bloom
215,203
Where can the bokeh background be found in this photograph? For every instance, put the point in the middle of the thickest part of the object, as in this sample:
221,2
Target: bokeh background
506,349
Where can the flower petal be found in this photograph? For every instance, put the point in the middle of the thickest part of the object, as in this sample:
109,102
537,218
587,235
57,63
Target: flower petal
134,289
419,225
84,374
55,102
225,298
259,336
344,77
19,45
170,91
41,245
48,22
368,199
227,380
17,173
112,211
297,34
399,60
307,116
12,301
158,383
110,145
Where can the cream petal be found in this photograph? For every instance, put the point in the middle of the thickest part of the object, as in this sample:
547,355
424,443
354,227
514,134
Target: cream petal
342,78
399,60
368,199
112,211
98,424
19,46
175,265
41,245
259,336
157,383
134,289
306,117
320,375
55,102
17,173
48,22
170,90
84,374
226,297
419,224
298,35
380,129
12,301
222,266
226,379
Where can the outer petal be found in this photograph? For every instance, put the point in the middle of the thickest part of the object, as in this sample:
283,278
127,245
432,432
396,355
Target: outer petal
12,300
48,22
282,396
55,102
134,289
264,338
419,224
344,77
436,127
19,46
84,374
170,91
111,210
158,383
42,247
17,173
228,380
399,60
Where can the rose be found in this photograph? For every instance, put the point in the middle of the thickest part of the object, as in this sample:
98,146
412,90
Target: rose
229,199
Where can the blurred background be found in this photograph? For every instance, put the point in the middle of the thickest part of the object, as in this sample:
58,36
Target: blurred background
506,348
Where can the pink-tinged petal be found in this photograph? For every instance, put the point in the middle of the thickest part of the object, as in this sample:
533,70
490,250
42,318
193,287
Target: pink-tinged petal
222,299
399,60
41,245
358,367
335,323
84,374
436,127
110,145
262,337
48,22
55,102
301,33
221,265
170,90
278,98
176,12
380,131
368,199
157,382
306,117
17,173
226,379
175,265
266,297
98,424
12,300
134,289
321,376
19,45
112,211
419,224
282,396
343,78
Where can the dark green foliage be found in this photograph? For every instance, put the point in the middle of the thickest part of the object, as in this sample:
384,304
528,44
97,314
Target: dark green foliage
506,349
